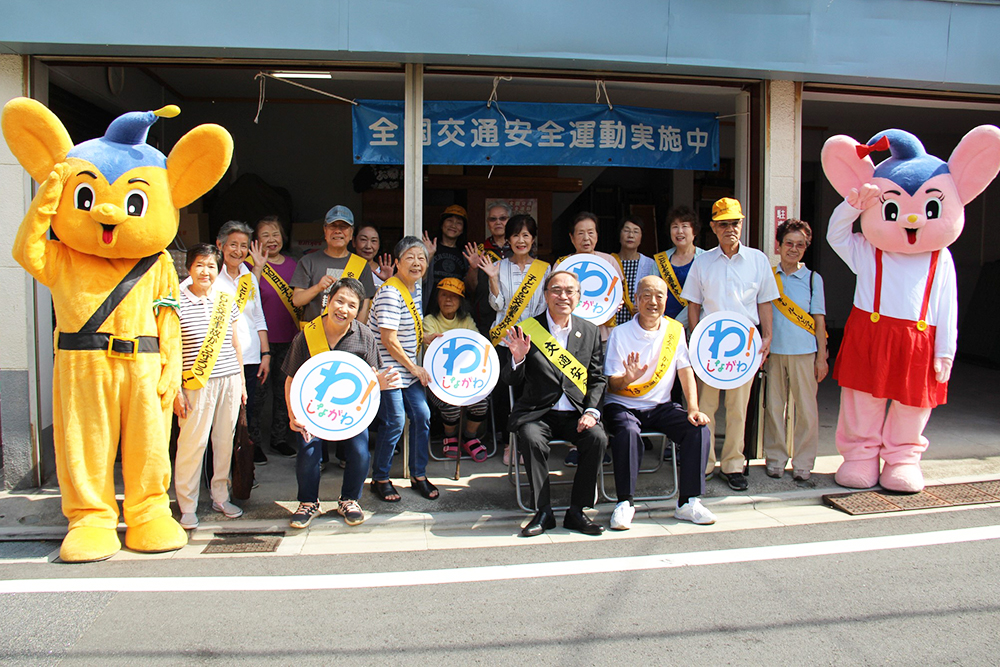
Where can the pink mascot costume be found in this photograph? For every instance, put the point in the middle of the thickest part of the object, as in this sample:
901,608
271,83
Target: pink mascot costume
900,339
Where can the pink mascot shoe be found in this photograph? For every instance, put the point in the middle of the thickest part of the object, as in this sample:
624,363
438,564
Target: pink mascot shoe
900,338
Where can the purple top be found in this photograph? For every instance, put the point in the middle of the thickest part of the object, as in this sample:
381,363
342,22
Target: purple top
280,325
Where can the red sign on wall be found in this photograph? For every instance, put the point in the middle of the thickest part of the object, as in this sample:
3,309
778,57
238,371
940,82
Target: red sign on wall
780,214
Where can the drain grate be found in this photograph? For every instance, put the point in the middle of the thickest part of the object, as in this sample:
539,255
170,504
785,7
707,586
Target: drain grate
944,495
244,543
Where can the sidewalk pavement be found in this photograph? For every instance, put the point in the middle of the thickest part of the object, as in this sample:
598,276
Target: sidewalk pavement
965,446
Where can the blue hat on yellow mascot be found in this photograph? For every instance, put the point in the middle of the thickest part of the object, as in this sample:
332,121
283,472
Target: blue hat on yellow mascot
123,146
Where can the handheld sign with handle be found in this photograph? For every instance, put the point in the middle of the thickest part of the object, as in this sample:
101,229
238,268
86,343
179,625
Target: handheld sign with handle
335,395
725,350
601,290
463,365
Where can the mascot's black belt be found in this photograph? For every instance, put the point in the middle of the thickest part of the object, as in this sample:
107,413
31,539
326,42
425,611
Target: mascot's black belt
117,348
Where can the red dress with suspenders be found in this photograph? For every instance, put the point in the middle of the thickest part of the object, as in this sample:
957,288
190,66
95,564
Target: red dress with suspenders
889,357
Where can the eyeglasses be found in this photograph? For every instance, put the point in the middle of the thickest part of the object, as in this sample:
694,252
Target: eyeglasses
559,291
727,223
502,218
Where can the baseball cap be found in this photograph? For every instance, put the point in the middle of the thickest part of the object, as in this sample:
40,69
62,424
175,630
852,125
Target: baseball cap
453,285
339,213
455,209
727,209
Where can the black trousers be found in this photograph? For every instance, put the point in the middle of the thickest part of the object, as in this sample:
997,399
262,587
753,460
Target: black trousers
692,442
533,440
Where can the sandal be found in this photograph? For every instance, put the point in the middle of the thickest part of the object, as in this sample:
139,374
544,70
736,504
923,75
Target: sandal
475,449
424,488
450,447
385,491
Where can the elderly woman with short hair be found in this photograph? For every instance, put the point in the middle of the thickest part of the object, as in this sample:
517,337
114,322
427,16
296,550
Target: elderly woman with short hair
396,320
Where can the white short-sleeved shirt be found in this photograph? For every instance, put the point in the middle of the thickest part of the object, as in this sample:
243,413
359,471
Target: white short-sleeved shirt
734,284
389,311
631,337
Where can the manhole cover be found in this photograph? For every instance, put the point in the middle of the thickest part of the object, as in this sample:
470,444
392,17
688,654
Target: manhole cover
944,495
865,502
244,543
992,488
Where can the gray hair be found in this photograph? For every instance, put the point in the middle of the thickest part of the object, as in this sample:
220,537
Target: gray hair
548,279
500,204
408,242
233,227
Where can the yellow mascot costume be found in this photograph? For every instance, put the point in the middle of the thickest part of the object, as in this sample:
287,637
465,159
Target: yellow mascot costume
112,203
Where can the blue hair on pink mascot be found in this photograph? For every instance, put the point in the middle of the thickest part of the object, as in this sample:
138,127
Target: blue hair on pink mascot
901,336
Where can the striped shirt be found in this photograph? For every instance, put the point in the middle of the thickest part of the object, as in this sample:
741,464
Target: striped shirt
195,314
389,311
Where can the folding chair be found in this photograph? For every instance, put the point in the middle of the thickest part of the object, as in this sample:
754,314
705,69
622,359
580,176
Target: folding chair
663,440
514,468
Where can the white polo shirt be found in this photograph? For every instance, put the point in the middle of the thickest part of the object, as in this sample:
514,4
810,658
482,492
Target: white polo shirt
735,284
631,337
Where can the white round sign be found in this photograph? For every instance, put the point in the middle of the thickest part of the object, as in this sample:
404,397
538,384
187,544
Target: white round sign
601,291
725,350
463,366
335,395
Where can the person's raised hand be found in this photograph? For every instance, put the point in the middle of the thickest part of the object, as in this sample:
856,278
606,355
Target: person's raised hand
518,343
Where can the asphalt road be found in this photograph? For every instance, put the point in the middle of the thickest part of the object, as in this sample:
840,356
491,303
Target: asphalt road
916,606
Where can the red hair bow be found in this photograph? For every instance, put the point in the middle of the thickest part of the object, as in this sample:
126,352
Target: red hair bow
880,145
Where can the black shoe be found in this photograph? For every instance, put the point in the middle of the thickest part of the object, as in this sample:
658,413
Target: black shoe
283,449
737,481
259,458
543,520
580,522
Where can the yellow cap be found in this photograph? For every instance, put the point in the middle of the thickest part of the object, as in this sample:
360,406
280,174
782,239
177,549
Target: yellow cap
453,285
727,209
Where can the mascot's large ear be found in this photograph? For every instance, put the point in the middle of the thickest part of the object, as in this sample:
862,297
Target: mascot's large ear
197,162
975,162
36,137
843,167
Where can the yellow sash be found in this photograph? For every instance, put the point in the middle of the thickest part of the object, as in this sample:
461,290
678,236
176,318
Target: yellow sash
556,353
418,324
792,310
316,337
283,289
667,349
489,253
244,291
208,354
356,265
628,300
520,299
669,277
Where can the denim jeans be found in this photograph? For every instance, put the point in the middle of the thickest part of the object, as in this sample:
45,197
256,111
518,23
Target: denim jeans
391,416
307,462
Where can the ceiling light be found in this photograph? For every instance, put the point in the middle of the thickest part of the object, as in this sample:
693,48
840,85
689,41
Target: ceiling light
302,75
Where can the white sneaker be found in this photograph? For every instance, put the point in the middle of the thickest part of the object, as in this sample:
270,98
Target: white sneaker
694,512
189,521
621,518
230,510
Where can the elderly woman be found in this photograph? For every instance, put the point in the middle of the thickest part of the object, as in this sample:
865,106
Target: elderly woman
343,332
519,276
281,316
448,311
233,242
674,264
634,265
212,385
367,243
397,321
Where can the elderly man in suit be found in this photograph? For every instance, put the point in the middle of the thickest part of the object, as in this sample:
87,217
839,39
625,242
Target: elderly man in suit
561,358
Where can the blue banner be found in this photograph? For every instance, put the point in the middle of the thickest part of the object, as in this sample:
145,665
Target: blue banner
526,133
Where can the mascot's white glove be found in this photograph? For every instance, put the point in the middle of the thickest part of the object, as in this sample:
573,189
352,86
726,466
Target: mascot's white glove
942,368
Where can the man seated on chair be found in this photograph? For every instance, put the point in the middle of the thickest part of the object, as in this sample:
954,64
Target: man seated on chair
644,356
558,360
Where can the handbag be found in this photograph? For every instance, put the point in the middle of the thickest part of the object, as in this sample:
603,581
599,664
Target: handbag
242,469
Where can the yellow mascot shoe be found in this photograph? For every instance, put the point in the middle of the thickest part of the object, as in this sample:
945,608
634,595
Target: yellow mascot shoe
156,536
85,544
